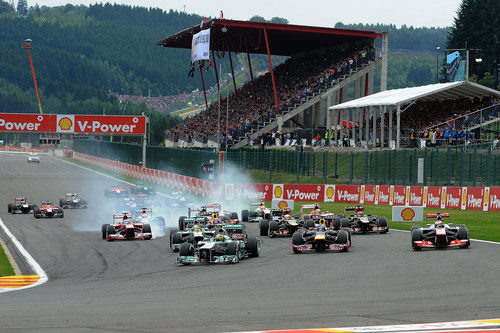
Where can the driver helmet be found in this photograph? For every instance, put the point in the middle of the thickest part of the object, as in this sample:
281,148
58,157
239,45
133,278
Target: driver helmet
261,204
125,217
219,237
144,211
359,210
321,227
286,211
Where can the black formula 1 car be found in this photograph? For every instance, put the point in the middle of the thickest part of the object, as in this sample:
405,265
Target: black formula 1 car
439,234
282,223
47,209
20,206
363,223
124,227
321,239
115,192
72,201
219,249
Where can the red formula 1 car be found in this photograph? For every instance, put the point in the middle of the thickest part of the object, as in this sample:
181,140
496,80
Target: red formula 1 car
47,209
124,227
115,192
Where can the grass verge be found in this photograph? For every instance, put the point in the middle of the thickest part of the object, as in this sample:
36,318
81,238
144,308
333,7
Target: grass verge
5,266
481,225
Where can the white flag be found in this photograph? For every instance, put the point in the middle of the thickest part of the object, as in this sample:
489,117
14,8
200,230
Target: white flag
200,48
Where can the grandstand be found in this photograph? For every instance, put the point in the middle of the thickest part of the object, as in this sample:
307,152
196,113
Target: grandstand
322,63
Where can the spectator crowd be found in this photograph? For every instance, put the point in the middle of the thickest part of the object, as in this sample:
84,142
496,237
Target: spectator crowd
297,78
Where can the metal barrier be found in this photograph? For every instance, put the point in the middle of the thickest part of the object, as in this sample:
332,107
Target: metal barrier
473,165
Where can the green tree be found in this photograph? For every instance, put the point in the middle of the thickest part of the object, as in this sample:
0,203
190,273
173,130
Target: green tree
477,25
22,7
257,18
279,20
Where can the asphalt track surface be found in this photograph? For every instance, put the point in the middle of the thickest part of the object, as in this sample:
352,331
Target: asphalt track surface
96,286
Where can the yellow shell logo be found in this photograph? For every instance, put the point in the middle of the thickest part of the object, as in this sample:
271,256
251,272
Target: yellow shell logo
65,123
392,193
329,192
282,204
425,195
464,195
362,193
376,192
278,192
407,214
486,197
443,195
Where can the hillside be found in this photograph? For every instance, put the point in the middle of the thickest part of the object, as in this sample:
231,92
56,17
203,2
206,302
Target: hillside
81,54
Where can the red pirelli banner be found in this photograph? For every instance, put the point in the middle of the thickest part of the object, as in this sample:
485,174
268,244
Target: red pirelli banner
72,124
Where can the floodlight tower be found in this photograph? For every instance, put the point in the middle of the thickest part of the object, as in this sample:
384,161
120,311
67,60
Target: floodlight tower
27,46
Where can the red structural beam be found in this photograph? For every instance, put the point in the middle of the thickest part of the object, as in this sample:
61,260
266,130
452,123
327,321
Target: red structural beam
232,73
203,84
251,77
34,79
298,28
272,73
216,75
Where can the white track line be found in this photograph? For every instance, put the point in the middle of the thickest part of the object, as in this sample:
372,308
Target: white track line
475,240
37,269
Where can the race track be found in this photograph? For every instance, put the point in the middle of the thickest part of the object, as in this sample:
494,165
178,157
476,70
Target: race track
96,286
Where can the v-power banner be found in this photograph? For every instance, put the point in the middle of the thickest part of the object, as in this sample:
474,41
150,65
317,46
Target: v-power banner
72,124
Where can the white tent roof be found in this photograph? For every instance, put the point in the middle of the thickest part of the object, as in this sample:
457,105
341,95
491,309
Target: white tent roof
432,92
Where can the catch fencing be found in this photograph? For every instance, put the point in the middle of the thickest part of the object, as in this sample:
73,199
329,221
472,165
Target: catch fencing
441,197
473,165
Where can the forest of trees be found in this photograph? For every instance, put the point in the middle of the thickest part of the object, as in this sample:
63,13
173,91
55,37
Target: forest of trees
82,53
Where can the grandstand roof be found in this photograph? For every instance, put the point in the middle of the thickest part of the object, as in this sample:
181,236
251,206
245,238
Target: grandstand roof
284,39
432,92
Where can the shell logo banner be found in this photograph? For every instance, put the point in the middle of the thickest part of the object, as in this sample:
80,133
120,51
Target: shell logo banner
407,213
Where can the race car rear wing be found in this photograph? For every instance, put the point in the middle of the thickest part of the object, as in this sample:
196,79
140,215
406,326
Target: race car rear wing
19,199
120,217
434,215
350,208
145,211
310,206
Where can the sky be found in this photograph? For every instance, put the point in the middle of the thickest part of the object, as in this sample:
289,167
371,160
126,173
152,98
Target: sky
422,13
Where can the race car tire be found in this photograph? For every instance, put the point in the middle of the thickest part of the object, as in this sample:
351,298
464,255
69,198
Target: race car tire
104,229
463,233
264,227
344,223
146,228
252,214
382,223
416,235
297,238
175,238
110,230
244,215
61,213
343,238
341,215
253,246
309,223
348,230
232,249
233,216
181,222
336,222
461,226
415,227
186,250
9,209
273,228
37,213
296,216
62,202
